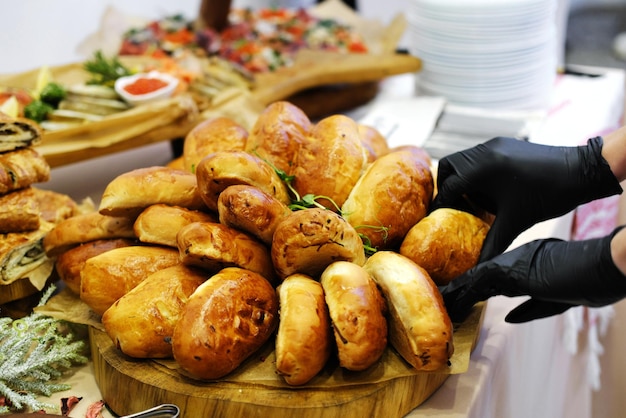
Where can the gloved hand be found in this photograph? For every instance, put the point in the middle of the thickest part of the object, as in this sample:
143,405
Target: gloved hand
522,184
556,275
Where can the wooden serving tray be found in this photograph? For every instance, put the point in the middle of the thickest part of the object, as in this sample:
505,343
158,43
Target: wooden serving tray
174,119
322,68
131,385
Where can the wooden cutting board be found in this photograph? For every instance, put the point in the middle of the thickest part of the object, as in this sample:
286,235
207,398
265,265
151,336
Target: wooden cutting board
130,385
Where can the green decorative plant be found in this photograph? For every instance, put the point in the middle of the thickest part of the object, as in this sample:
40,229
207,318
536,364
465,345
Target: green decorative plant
34,352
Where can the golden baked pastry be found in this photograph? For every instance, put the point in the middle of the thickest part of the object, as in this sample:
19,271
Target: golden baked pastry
251,210
304,338
419,327
419,152
212,135
393,194
177,163
22,168
27,216
130,193
86,227
17,133
213,246
373,141
222,169
227,319
108,276
159,223
22,255
308,241
141,323
19,211
54,206
357,311
446,243
278,133
330,161
69,264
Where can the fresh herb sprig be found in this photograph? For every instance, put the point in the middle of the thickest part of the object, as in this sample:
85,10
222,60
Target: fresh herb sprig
104,71
311,201
34,351
367,243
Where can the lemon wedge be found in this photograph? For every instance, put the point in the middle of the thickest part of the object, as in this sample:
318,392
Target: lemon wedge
43,79
11,107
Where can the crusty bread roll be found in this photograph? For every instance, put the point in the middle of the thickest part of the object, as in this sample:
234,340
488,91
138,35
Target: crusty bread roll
330,161
419,327
131,192
108,276
70,263
357,311
418,151
214,246
221,169
251,210
304,337
373,141
141,322
278,133
86,227
227,319
446,243
158,224
309,240
393,194
212,135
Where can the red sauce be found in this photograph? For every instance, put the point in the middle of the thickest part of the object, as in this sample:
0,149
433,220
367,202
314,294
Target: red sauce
145,85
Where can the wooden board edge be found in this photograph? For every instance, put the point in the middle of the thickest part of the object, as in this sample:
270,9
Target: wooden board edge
126,391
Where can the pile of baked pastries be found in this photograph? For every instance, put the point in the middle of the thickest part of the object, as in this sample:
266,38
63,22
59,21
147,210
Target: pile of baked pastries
317,236
27,212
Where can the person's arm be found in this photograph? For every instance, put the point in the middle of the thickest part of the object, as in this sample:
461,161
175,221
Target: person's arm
614,152
618,250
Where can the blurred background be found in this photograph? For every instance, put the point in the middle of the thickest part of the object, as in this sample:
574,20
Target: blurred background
589,26
593,26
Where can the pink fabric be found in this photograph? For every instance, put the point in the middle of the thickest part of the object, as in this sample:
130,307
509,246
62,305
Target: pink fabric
598,218
595,219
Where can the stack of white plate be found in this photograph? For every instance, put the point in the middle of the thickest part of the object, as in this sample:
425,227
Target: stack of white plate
485,53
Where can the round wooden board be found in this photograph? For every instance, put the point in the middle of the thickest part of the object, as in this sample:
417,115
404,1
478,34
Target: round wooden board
129,386
16,290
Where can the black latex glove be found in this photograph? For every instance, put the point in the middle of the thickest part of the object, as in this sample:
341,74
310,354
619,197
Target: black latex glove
556,275
522,184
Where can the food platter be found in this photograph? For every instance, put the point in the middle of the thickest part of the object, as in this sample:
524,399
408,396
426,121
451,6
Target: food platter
172,118
335,393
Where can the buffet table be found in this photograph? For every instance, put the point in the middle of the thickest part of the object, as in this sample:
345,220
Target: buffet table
515,370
